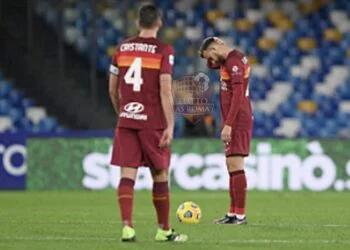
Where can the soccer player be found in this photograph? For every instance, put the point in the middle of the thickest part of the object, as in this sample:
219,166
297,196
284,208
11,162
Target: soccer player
140,91
237,119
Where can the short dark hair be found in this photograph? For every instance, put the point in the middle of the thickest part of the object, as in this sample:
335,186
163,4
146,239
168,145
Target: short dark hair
205,44
149,15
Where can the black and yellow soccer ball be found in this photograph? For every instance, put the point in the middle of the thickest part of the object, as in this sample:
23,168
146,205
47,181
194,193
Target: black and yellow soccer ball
189,213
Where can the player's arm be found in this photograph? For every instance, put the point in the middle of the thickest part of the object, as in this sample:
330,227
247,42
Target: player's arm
166,96
114,85
236,68
167,99
113,92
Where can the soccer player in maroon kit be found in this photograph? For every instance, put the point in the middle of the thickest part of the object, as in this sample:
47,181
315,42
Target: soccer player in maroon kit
140,91
237,119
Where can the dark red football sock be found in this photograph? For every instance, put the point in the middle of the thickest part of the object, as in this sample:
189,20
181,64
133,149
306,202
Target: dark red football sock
125,199
232,196
238,182
161,203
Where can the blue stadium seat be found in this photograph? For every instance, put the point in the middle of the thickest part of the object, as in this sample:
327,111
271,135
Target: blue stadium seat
279,73
83,25
328,108
15,114
311,127
48,124
305,89
5,89
259,132
103,24
27,102
14,105
261,25
319,119
104,62
336,55
4,106
331,126
259,119
316,76
16,97
288,109
111,35
26,125
102,45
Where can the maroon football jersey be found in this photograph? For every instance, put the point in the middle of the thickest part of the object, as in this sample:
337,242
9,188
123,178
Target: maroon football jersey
138,63
235,103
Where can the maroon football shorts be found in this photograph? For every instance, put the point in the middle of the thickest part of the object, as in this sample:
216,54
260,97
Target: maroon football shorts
135,148
239,144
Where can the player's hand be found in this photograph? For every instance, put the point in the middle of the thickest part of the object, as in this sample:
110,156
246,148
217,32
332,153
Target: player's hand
213,64
167,137
226,134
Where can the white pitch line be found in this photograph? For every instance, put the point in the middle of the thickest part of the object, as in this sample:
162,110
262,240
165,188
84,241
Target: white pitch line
98,222
242,241
77,222
280,241
116,222
297,225
57,238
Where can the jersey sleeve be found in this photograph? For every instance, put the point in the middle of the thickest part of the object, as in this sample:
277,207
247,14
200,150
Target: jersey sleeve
167,62
114,69
236,69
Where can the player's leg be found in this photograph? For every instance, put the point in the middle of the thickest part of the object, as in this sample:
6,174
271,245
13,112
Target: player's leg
126,201
238,188
236,150
160,195
159,160
126,153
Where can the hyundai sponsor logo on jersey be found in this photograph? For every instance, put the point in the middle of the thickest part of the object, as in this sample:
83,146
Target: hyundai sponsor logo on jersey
13,165
132,110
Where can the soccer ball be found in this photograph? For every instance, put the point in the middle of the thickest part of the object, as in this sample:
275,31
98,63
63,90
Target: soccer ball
189,213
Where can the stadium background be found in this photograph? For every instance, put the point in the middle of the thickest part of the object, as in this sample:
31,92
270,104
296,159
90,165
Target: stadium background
56,120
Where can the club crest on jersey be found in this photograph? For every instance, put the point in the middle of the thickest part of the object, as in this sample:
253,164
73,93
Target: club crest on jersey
132,110
235,69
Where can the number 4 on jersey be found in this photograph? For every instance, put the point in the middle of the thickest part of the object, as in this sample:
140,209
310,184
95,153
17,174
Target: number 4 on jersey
133,75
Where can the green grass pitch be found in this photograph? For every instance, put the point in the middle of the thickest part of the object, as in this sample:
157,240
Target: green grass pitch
90,220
